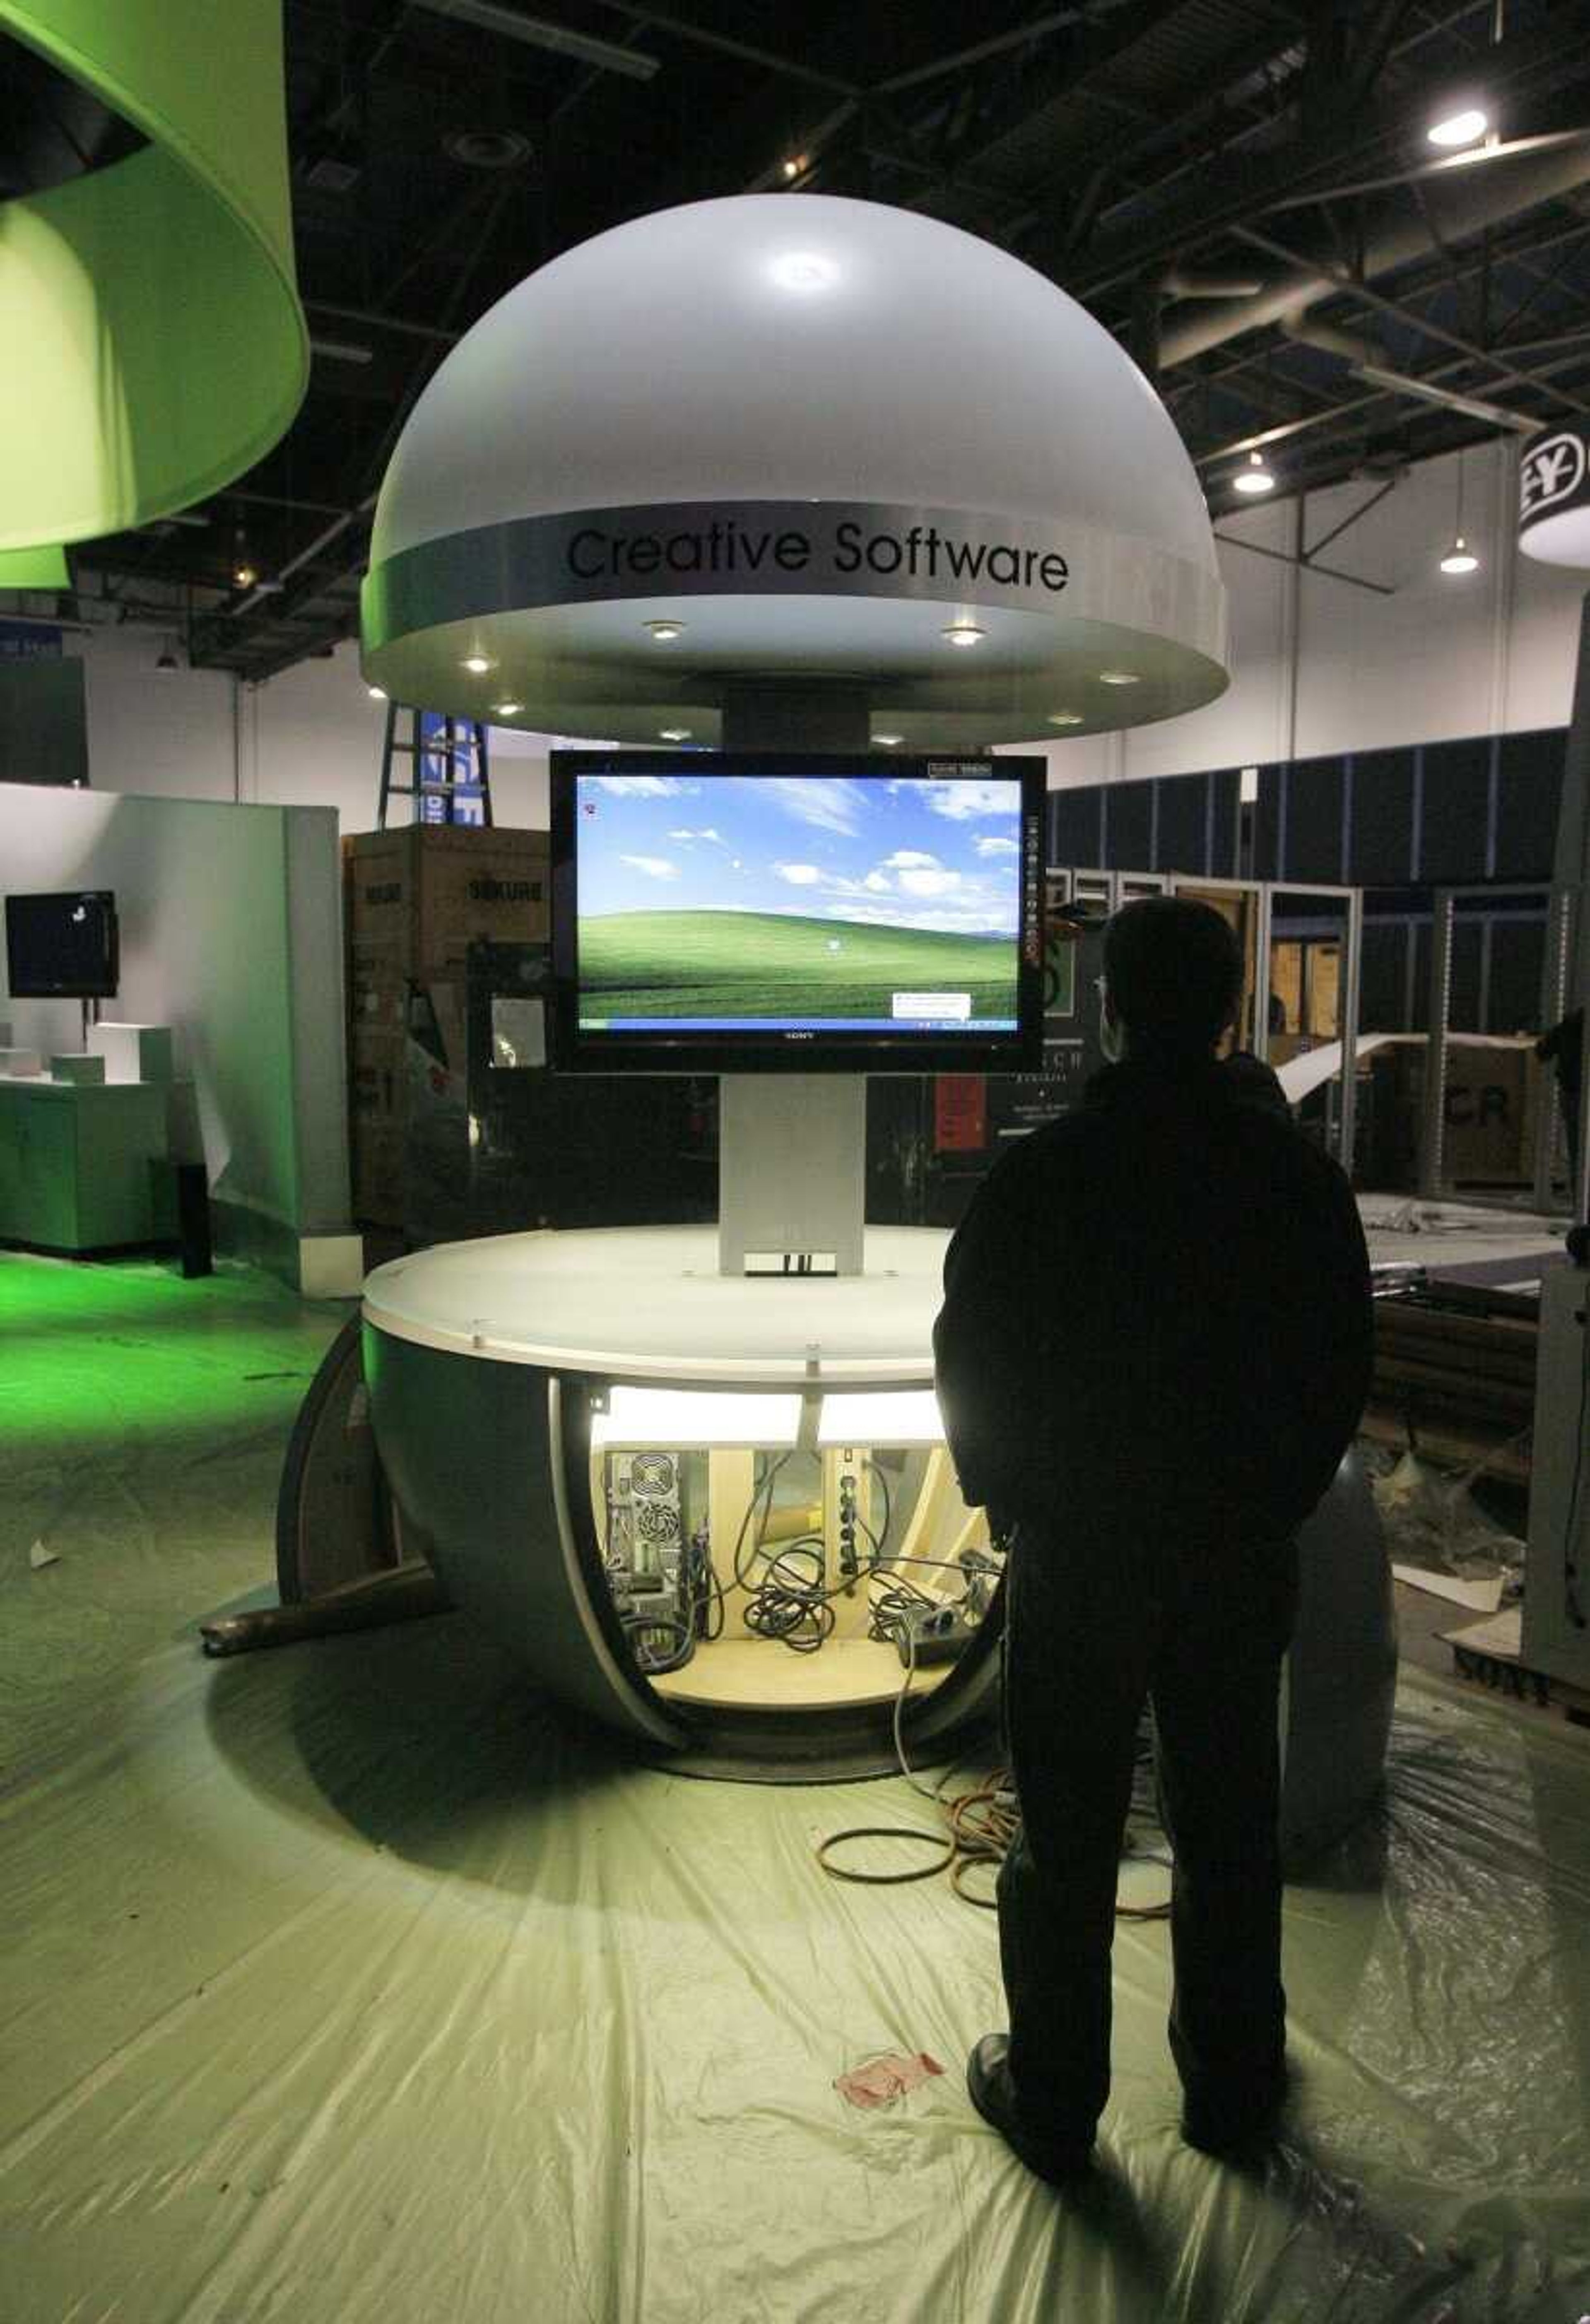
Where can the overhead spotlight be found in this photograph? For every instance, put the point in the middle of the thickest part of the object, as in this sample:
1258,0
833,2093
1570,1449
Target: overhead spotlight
1464,127
244,576
1460,559
1118,677
796,163
1255,477
963,634
478,664
888,742
674,734
663,631
1064,718
376,693
506,709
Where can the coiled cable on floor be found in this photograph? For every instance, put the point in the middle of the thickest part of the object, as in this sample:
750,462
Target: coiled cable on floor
981,1823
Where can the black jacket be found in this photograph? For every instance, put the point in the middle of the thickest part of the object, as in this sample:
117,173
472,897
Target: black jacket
1157,1313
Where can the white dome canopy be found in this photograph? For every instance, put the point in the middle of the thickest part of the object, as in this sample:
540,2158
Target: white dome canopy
780,367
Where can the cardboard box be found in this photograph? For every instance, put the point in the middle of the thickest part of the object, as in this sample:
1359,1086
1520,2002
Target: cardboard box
378,1076
418,897
379,1176
1492,1094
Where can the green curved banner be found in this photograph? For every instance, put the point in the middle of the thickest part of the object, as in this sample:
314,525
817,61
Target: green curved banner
155,346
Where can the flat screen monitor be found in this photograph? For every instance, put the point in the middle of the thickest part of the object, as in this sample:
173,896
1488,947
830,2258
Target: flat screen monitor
740,913
62,947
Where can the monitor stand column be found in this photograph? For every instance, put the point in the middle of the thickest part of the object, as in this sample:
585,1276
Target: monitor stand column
791,1173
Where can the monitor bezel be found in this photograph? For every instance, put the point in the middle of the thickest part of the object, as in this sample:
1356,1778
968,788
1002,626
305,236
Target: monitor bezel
104,987
735,1052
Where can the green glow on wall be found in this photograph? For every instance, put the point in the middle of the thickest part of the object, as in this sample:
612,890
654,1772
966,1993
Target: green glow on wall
157,346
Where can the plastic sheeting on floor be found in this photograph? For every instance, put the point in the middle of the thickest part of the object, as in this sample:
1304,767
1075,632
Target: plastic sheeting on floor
345,1985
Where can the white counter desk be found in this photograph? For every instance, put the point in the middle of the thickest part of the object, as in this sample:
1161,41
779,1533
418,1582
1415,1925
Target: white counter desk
75,1162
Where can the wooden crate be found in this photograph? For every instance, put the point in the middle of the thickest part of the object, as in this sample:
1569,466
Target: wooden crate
415,900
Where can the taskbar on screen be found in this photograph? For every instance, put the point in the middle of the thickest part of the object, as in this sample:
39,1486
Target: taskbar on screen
824,1024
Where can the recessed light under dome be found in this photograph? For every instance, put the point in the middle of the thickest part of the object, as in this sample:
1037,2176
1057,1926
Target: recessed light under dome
888,741
1460,128
477,665
376,693
506,709
964,633
675,734
663,631
1118,677
1064,718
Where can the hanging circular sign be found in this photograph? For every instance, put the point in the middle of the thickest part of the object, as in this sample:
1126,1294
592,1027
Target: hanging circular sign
1554,497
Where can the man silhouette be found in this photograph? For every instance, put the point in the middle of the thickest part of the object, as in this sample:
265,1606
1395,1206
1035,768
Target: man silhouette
1154,1350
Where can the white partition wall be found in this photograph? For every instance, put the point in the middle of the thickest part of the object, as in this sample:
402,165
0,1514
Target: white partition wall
230,934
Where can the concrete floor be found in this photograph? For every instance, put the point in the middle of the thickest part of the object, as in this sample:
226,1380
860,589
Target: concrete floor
347,1986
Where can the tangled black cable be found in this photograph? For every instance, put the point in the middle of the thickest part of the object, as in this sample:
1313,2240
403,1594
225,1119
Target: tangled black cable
792,1607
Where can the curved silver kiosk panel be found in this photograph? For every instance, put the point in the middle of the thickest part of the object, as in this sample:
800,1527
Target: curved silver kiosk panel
489,1365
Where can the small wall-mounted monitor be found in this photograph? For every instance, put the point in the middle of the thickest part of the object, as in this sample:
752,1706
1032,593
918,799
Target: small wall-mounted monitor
62,947
784,913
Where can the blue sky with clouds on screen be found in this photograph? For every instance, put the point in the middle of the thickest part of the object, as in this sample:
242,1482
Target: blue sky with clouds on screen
900,853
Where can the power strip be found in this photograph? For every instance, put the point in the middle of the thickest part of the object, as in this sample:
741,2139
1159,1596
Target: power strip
933,1633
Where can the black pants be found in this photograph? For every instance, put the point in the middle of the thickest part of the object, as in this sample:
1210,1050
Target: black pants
1097,1623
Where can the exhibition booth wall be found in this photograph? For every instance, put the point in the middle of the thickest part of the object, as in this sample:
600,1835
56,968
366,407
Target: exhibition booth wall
231,934
1321,665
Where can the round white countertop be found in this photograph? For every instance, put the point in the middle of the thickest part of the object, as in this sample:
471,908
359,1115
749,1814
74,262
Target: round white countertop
648,1303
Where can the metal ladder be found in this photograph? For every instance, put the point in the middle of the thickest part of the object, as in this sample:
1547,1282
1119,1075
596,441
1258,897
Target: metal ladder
450,765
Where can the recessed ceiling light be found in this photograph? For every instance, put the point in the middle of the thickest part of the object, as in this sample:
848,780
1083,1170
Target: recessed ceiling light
1255,477
477,664
1064,717
506,709
1118,677
1460,559
1460,128
376,693
675,734
795,165
963,634
663,630
888,741
244,576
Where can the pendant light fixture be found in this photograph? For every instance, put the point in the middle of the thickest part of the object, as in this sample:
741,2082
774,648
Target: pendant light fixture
1459,559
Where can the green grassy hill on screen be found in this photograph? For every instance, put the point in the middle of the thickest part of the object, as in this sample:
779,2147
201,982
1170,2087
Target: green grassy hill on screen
781,965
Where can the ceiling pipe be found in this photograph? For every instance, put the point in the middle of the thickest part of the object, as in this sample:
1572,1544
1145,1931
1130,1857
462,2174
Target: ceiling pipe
1366,362
486,16
1463,205
1207,282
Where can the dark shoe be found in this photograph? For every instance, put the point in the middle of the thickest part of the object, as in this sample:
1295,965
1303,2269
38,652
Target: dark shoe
1235,2133
1058,2159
